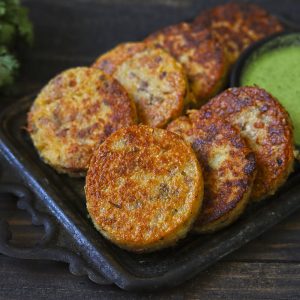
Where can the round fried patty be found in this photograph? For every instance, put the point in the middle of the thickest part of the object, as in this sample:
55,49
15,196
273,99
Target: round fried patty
108,62
266,126
144,188
157,83
73,113
202,57
228,165
237,25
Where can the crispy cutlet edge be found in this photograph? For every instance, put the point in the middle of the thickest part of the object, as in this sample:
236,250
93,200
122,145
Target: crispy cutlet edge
178,233
234,213
228,218
187,99
280,182
73,172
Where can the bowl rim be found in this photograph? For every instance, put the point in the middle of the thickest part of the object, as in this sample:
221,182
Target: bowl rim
235,74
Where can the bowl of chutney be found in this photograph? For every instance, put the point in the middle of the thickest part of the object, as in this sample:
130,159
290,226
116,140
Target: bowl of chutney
274,65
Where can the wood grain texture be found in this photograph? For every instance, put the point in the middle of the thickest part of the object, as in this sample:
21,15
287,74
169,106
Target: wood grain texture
67,35
226,280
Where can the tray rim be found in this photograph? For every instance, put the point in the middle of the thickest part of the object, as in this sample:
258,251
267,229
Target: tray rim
104,262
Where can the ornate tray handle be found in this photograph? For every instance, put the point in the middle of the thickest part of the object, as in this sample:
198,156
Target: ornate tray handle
46,248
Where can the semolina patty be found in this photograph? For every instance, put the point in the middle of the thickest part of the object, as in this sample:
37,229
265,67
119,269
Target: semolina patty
74,112
266,126
203,58
156,81
109,61
237,25
144,188
228,168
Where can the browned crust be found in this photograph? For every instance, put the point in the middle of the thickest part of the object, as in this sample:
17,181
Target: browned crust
157,83
266,125
109,61
202,57
153,78
228,165
238,25
73,113
144,188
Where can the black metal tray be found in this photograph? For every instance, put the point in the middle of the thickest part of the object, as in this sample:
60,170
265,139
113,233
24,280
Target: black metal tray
63,213
64,198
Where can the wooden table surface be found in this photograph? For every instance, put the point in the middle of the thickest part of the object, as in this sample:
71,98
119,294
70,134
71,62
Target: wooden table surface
67,35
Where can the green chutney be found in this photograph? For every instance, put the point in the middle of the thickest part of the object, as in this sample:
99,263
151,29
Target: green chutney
278,72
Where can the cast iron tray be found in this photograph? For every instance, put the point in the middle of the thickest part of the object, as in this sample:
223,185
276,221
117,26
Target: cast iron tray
64,198
62,202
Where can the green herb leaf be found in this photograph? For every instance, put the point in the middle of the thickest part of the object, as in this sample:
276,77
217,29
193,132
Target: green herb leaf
8,67
15,30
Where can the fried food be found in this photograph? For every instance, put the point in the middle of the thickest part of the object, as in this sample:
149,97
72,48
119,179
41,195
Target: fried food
73,113
109,62
228,168
266,126
156,82
202,57
144,188
237,25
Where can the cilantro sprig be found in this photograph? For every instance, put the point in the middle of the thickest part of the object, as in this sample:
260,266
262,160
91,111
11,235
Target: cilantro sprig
15,29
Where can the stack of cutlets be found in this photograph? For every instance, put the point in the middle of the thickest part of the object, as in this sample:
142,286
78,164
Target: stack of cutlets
163,153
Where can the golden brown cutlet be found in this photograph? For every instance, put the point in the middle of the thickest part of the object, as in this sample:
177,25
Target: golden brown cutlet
228,168
266,126
156,82
109,61
73,113
203,58
144,188
237,25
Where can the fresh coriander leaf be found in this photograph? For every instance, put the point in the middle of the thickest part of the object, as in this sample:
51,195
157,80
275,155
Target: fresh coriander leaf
8,67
